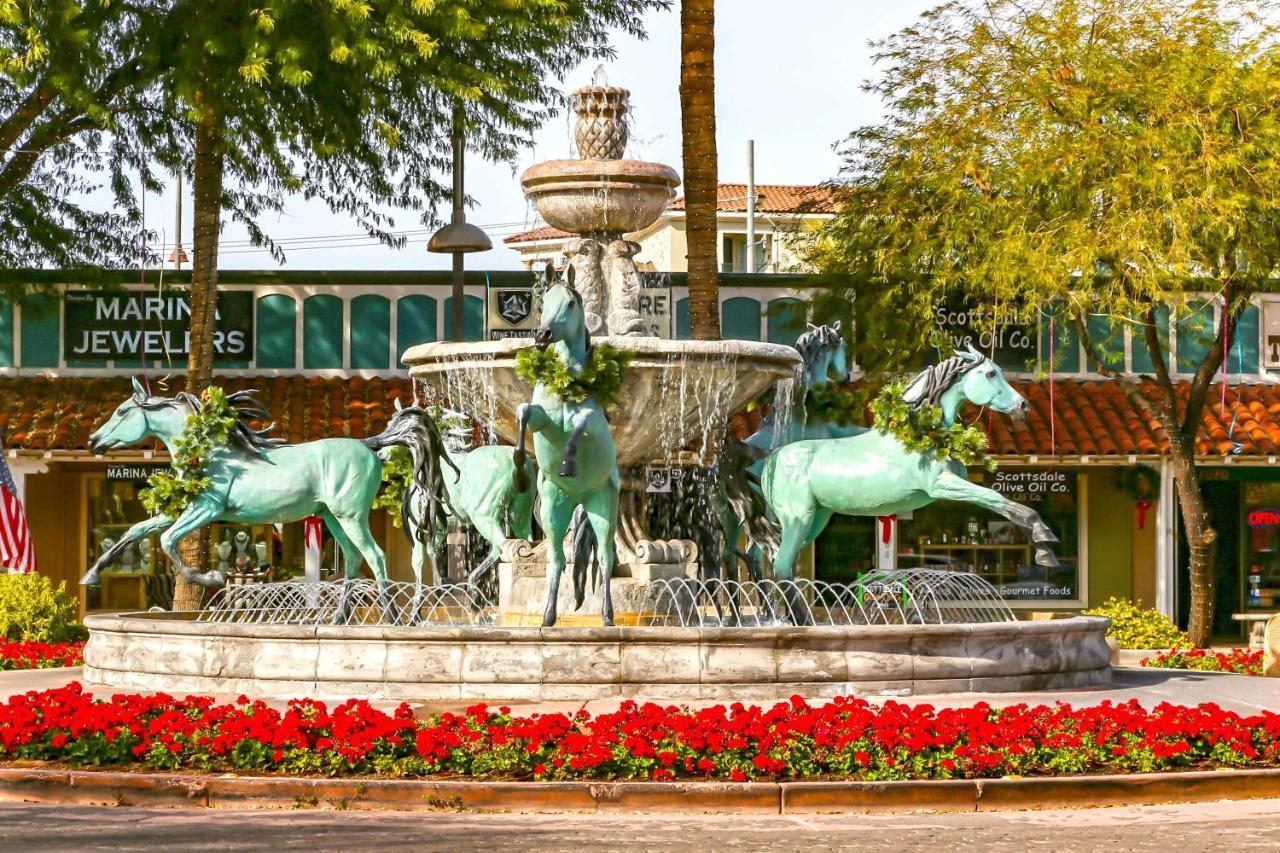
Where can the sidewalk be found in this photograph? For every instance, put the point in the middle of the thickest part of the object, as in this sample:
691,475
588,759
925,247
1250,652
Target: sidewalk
1242,693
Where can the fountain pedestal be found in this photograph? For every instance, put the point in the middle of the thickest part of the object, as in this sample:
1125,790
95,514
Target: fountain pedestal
522,583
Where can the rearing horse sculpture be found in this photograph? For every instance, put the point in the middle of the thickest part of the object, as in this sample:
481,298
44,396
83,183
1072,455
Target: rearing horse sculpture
254,479
578,477
873,474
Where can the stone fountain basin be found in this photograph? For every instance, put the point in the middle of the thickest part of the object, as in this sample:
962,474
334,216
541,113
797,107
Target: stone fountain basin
669,385
600,196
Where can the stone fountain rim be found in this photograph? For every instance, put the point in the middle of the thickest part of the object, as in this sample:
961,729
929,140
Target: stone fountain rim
425,357
550,174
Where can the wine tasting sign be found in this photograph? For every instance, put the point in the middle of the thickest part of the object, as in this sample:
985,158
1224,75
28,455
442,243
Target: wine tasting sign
125,324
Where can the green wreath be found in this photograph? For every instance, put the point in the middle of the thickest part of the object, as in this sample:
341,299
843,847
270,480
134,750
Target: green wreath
170,492
601,376
921,429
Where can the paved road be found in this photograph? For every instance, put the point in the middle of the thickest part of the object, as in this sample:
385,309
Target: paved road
1206,827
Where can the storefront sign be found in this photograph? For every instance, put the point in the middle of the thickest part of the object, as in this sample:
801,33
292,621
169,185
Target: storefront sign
1271,333
1013,345
144,324
1264,518
1033,486
134,473
655,303
513,312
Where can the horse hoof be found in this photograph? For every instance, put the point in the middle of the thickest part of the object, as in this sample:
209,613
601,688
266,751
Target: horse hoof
1047,560
568,468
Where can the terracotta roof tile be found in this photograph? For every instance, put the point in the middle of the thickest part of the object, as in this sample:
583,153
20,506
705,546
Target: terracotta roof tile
546,232
773,198
1090,417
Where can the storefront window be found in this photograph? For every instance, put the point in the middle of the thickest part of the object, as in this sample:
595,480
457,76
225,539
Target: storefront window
966,538
114,507
1262,545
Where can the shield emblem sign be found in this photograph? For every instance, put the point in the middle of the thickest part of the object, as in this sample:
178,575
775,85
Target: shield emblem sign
515,306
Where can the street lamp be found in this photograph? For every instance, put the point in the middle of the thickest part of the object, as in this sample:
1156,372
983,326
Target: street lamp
458,237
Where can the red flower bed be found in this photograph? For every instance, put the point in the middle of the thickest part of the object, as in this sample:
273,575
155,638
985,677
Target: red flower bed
33,655
1242,661
844,738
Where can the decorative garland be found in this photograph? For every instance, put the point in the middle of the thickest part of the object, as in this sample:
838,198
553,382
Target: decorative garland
832,404
601,377
1139,482
921,429
172,491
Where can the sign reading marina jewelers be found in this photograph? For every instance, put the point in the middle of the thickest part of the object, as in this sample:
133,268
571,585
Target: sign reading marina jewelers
137,324
134,473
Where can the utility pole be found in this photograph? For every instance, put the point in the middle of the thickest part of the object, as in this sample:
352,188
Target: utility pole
459,236
178,255
751,205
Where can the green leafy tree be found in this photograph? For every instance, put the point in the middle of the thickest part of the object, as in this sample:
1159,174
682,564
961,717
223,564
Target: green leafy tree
77,108
1080,158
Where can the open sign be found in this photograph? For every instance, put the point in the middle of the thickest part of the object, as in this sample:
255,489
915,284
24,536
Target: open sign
1264,518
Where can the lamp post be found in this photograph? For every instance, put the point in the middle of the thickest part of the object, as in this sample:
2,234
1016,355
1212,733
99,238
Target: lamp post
458,237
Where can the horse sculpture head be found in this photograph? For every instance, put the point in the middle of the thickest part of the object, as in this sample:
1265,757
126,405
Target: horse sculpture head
826,358
975,377
139,417
563,316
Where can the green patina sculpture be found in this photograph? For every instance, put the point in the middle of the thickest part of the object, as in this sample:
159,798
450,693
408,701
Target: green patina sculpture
478,489
874,474
578,473
254,479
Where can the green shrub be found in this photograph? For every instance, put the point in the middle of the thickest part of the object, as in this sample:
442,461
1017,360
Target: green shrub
1136,627
31,609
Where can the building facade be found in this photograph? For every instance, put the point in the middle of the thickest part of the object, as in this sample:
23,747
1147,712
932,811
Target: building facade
323,350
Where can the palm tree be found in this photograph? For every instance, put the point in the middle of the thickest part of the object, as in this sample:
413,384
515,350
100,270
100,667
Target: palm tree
701,170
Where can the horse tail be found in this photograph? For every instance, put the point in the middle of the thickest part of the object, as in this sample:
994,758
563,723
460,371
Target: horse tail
518,512
742,492
413,428
585,556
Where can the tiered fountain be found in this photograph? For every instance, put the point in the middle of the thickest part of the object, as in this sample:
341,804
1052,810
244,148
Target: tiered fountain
678,394
903,632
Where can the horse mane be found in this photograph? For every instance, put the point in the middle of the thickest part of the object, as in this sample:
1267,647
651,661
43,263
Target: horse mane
927,386
815,341
244,406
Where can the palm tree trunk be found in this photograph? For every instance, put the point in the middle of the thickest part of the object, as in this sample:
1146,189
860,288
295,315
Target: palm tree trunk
701,170
207,201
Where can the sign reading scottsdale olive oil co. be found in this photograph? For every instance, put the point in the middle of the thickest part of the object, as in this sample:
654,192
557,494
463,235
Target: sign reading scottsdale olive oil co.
145,324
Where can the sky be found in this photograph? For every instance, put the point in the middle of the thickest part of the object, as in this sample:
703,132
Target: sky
788,75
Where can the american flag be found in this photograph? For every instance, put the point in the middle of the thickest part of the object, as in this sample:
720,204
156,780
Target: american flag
16,551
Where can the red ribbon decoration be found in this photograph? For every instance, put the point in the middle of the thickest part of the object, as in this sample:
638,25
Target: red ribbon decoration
1142,506
886,527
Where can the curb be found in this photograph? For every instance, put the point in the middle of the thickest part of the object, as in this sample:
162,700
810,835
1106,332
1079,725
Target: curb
178,790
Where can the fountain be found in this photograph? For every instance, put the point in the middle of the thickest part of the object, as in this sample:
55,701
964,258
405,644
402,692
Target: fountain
678,635
676,394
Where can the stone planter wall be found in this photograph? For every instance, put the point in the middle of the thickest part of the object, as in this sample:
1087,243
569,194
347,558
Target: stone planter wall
169,652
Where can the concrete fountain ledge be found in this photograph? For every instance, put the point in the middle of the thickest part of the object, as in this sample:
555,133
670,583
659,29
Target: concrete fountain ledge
170,652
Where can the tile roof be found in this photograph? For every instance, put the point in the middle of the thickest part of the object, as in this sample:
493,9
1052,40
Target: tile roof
773,198
1096,418
732,198
1092,418
44,413
546,232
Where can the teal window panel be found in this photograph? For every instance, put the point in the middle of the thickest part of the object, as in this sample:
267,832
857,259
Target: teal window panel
1195,336
1107,338
786,320
277,344
1139,352
322,332
683,327
371,332
1063,356
1243,357
6,333
415,321
472,318
40,331
741,318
